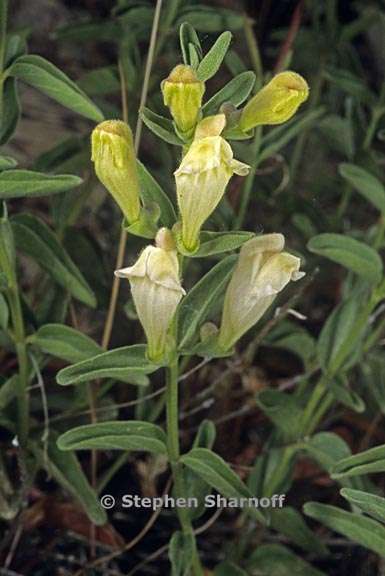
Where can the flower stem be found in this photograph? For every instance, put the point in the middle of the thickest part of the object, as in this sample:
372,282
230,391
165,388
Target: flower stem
174,454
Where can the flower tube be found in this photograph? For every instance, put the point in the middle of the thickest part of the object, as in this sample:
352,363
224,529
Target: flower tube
262,271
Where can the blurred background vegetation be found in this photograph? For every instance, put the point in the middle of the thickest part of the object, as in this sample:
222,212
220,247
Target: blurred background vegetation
300,188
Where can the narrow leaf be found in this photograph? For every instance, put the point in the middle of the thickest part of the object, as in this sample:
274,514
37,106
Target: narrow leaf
236,91
364,531
34,238
65,342
212,243
43,75
214,57
365,183
127,364
66,470
25,183
180,553
200,300
214,470
160,126
349,252
134,435
371,504
152,192
369,461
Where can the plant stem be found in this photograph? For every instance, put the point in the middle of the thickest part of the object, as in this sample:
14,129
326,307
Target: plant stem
174,454
253,49
138,132
315,398
22,357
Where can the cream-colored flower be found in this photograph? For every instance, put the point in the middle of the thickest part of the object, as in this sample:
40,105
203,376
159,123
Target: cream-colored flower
202,177
262,271
156,290
115,165
276,102
182,93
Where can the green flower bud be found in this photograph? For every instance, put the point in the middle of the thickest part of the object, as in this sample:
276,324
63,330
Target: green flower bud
182,93
276,102
115,165
202,177
156,291
262,271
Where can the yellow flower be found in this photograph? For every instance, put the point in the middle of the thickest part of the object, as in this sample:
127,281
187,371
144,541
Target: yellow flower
115,165
156,290
262,271
202,177
182,93
276,102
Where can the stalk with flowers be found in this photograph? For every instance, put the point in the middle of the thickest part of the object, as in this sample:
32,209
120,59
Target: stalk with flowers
250,281
211,324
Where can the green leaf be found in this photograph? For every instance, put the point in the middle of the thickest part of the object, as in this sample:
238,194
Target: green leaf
41,74
201,299
289,521
160,126
195,485
127,435
364,531
34,238
365,183
277,560
327,449
367,462
371,504
205,437
180,553
283,410
335,333
10,110
189,44
152,192
25,183
214,57
236,91
349,252
4,313
66,470
214,470
65,343
212,243
7,163
127,364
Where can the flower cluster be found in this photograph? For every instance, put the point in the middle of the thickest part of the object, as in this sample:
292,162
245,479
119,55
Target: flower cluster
263,268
